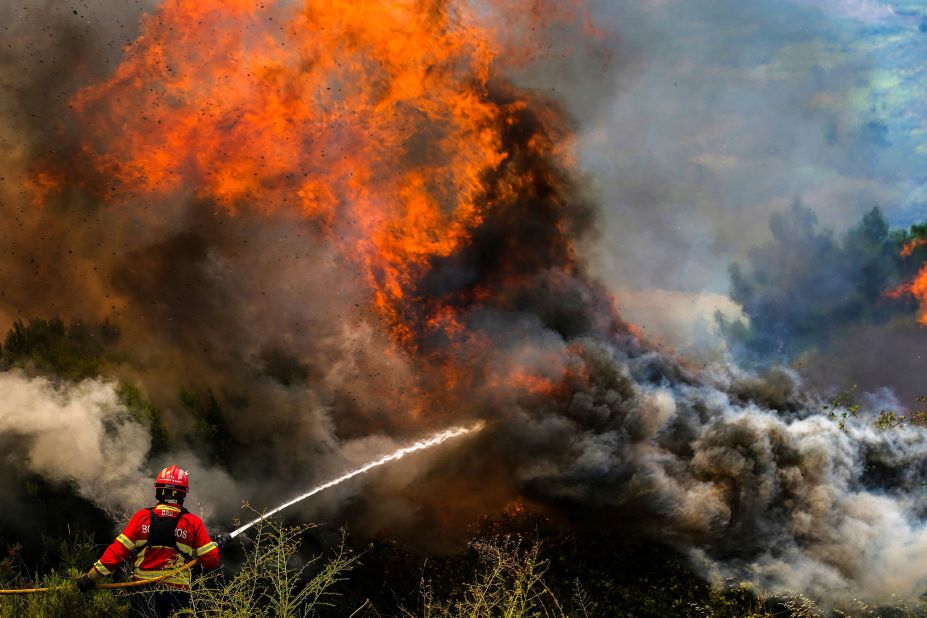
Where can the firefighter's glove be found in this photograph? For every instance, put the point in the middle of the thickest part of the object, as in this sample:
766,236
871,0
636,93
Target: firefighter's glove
85,583
223,540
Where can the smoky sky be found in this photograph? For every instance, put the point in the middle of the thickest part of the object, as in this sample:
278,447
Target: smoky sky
730,112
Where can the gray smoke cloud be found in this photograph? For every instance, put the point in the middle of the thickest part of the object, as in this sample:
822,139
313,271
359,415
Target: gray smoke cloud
778,495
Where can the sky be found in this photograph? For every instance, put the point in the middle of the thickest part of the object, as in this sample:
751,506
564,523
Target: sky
729,111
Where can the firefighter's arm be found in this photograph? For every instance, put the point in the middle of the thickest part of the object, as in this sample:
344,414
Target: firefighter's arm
103,568
120,550
205,548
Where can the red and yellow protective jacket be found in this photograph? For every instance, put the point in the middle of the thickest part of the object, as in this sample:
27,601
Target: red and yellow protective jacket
154,560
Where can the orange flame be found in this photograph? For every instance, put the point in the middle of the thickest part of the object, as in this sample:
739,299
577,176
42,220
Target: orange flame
388,123
521,380
907,249
917,288
372,117
41,184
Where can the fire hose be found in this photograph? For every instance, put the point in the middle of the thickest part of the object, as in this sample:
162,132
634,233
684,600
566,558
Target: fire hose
131,584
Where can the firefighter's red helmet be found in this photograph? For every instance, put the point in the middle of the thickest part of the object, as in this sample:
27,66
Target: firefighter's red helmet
172,477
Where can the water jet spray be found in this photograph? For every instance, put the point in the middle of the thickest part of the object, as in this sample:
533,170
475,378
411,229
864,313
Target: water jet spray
435,440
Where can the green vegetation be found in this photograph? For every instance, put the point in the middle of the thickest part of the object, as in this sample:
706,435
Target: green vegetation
510,585
147,414
76,352
273,580
73,352
511,577
64,600
889,419
843,407
809,285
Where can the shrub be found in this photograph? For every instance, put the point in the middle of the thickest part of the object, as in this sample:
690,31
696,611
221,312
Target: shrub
63,600
511,585
272,581
74,352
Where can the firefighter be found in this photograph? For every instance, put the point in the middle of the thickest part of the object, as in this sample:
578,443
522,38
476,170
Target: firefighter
162,538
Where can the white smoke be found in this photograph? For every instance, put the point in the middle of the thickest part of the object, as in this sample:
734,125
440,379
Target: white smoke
78,433
83,434
828,532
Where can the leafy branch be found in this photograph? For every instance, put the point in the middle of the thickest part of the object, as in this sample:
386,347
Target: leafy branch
889,419
843,407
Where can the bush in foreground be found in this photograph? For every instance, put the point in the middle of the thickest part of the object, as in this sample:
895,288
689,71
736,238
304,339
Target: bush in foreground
272,580
510,577
511,585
